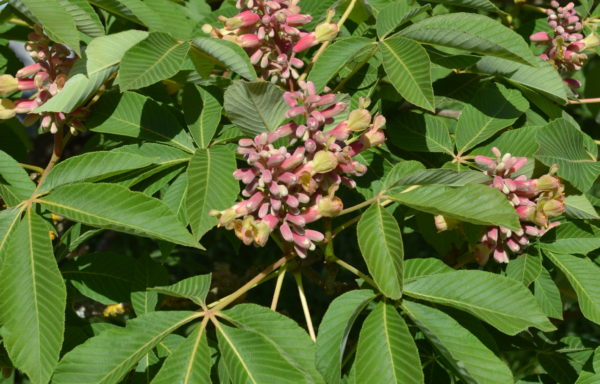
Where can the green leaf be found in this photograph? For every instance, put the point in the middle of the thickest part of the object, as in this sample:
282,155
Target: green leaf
588,378
493,108
134,115
255,107
417,268
498,300
548,295
409,70
85,17
563,144
194,288
473,33
525,268
386,351
334,58
473,203
583,274
107,51
422,133
596,361
93,165
158,57
147,273
94,275
572,238
519,142
106,358
479,5
189,363
579,207
252,358
135,10
210,186
380,242
9,218
57,24
15,184
202,114
174,19
174,197
395,15
32,309
228,53
446,177
543,78
115,207
292,341
399,171
77,90
468,356
334,330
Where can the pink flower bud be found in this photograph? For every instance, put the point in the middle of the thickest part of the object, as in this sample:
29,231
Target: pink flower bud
25,106
286,232
540,37
248,40
305,42
29,70
293,161
245,175
296,20
526,213
243,19
8,84
500,254
372,138
572,83
295,111
314,235
332,111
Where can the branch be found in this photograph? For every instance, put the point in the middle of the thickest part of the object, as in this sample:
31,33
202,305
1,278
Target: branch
309,325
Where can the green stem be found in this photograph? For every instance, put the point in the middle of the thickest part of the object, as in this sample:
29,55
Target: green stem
356,207
585,101
278,285
33,168
355,271
305,309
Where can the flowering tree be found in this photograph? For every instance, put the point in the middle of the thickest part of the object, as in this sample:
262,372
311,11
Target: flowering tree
284,191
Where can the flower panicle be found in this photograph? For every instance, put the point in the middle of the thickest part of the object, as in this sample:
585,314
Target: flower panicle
289,186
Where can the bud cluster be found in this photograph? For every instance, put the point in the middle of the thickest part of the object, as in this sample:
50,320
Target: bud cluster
269,32
292,185
564,48
535,200
44,79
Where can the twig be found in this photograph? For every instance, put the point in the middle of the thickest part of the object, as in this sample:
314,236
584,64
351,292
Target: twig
309,325
33,168
355,271
585,101
278,285
360,205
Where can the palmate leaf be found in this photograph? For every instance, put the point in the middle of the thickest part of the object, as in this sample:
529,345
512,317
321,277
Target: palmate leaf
334,58
147,273
175,21
548,295
106,358
194,288
395,15
115,207
9,218
174,197
58,25
107,51
250,357
447,177
409,70
468,356
255,107
15,184
380,242
480,5
189,363
210,186
583,274
417,268
474,203
580,207
133,115
493,108
563,144
399,171
542,78
422,133
85,17
570,238
92,165
32,309
334,329
155,58
386,351
226,52
292,341
135,10
473,33
202,113
498,300
525,268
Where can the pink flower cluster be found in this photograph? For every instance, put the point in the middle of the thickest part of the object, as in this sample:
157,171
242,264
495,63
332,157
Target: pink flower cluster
268,30
44,79
290,186
535,200
565,46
